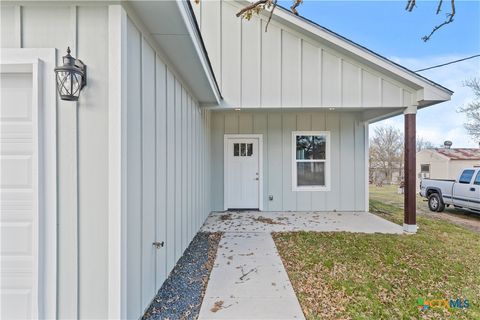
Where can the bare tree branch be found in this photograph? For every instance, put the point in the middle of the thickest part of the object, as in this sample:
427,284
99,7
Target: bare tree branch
449,20
251,7
271,14
439,8
296,3
410,5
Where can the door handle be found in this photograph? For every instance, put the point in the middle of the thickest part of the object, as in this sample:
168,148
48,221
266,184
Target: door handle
158,244
472,189
256,178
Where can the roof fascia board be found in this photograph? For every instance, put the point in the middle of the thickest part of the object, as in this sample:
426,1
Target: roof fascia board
194,32
132,15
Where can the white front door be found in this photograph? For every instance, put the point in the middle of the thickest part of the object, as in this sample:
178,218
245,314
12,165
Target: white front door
242,173
19,202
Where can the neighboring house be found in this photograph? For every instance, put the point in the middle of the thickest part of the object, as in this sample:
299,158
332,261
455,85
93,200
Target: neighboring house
445,163
180,116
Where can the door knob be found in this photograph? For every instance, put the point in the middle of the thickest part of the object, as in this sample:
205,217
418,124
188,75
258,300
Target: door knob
158,244
256,178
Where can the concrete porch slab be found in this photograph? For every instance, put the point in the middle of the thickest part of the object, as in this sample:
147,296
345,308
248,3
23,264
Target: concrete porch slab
254,221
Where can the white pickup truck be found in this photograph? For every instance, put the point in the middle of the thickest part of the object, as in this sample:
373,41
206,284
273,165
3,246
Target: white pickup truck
461,193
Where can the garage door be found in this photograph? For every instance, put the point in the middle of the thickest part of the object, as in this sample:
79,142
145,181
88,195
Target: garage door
19,202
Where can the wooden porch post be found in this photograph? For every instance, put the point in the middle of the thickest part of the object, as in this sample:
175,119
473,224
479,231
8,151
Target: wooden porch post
410,203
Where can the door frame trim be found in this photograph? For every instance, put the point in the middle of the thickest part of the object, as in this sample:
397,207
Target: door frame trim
40,62
226,138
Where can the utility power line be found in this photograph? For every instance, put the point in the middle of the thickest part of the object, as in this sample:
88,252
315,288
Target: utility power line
451,62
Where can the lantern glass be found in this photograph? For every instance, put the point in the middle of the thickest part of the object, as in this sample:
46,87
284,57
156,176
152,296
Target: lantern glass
69,84
71,77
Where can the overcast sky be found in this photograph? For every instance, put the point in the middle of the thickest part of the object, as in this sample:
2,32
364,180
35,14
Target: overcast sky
386,28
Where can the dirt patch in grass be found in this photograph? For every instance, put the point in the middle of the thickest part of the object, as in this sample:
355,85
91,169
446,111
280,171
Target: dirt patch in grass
266,220
376,276
387,194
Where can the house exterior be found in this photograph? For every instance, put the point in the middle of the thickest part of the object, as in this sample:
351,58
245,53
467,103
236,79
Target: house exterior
445,163
187,110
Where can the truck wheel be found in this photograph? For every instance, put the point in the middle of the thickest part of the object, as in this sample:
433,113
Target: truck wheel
435,203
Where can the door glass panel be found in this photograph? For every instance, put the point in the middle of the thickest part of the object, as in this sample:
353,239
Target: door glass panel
310,173
243,150
249,149
236,151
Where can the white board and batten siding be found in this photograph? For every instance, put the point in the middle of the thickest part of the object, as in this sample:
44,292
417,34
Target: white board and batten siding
82,141
167,169
347,158
306,73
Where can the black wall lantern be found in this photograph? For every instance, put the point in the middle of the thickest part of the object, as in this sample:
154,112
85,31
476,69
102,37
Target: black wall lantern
71,77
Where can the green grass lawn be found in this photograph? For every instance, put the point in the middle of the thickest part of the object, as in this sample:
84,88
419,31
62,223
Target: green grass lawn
375,276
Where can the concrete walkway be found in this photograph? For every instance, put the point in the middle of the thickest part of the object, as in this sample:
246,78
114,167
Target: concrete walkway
248,280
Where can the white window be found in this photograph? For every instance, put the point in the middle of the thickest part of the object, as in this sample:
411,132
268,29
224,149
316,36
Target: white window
311,161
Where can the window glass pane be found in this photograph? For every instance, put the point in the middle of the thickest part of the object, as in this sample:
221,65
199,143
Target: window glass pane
466,176
242,150
310,174
236,150
319,144
249,149
477,179
425,168
304,147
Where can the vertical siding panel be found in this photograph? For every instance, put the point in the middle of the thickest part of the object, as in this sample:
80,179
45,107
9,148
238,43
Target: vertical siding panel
211,17
371,93
134,174
331,89
245,123
304,198
190,190
319,198
310,75
218,130
231,50
170,243
92,162
271,66
177,140
231,123
289,197
291,70
8,32
274,174
333,197
251,34
350,85
183,161
260,126
161,168
39,23
347,162
148,173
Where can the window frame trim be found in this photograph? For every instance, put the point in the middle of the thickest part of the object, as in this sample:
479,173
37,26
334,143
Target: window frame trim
295,186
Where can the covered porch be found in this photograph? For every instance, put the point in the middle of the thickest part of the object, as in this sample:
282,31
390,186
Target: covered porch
325,221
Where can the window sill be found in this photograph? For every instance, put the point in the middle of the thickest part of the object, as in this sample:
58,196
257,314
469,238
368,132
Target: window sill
300,189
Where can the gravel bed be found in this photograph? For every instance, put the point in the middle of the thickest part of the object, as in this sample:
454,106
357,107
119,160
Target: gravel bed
181,295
